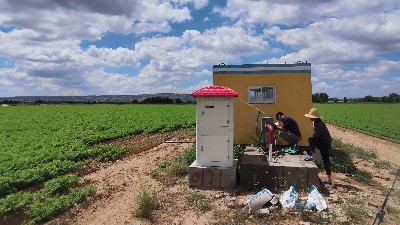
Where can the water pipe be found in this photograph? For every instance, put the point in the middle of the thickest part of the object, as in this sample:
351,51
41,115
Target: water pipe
271,140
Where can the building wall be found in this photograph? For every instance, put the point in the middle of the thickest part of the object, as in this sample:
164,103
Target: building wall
293,95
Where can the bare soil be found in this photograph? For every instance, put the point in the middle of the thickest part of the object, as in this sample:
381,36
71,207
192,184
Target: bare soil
119,182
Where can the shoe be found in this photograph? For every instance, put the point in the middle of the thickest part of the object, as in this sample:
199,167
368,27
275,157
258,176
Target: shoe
308,158
326,182
290,150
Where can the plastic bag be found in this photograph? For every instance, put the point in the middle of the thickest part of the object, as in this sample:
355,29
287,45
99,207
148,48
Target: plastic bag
315,200
289,198
258,200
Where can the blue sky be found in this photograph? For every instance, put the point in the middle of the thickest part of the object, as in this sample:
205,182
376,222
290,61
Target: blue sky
86,47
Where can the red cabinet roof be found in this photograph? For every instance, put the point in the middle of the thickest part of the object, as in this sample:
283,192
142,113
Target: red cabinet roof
212,91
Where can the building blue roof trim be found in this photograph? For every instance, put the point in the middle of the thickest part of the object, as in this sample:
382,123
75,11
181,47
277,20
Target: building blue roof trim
261,65
262,68
262,72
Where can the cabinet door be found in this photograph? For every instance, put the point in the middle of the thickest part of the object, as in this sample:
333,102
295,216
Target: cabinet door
214,149
214,113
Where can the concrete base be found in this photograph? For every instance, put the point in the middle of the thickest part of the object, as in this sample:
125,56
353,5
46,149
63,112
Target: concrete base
281,172
212,177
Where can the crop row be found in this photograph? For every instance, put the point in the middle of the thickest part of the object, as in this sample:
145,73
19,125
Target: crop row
380,120
41,142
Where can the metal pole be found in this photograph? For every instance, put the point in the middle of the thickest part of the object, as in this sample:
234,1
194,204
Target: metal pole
381,214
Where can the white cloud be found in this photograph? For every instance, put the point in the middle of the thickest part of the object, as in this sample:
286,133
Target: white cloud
348,43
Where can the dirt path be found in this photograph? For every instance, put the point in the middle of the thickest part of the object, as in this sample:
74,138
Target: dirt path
118,184
386,150
117,187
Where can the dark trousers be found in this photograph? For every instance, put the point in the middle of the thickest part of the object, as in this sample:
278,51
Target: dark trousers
324,149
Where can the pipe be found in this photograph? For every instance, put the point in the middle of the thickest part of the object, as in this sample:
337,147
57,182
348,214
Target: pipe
271,140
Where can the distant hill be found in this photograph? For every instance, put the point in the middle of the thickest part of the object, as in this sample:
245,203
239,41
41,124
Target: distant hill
96,98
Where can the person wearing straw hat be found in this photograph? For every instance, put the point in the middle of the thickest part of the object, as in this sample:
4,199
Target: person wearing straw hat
322,140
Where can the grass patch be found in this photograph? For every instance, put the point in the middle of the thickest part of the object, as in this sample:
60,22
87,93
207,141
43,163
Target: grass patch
341,162
313,217
177,167
396,172
239,217
392,210
355,212
382,164
147,202
199,201
352,150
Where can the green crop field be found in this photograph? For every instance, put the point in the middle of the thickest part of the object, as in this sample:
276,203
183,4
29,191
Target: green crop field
380,120
39,143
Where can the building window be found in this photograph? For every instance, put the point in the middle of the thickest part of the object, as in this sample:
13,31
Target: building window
261,94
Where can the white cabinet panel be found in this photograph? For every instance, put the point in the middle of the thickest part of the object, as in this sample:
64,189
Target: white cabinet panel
214,151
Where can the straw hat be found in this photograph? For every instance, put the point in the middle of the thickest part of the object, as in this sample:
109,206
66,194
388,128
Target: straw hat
313,113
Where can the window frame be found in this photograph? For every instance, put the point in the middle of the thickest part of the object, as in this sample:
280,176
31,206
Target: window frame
262,101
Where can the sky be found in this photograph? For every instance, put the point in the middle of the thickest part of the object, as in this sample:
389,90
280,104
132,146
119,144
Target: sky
129,47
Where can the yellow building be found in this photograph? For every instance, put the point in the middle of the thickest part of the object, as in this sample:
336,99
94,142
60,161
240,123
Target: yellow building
267,88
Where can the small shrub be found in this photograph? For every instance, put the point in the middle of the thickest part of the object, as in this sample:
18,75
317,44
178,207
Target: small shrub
238,151
313,217
382,164
364,177
190,155
178,169
239,217
392,210
356,212
178,166
154,173
259,141
147,201
199,200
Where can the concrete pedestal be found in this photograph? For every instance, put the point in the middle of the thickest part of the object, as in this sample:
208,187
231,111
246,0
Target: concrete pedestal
212,177
282,172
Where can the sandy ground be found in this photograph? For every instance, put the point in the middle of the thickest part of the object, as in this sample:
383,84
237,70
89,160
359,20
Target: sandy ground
386,150
118,184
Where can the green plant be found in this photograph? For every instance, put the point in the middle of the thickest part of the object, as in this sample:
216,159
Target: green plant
239,217
259,140
379,120
178,169
59,184
190,155
199,200
313,217
177,166
396,172
364,177
51,141
14,202
238,151
355,212
49,207
392,210
106,181
147,202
